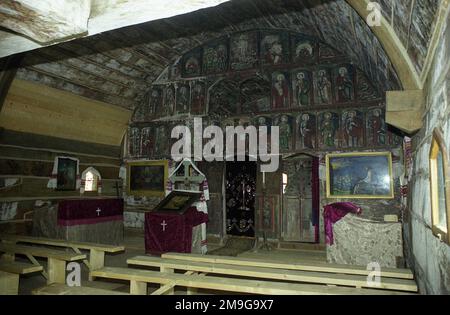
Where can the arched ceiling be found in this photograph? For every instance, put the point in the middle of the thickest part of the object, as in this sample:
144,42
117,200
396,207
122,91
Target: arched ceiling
118,66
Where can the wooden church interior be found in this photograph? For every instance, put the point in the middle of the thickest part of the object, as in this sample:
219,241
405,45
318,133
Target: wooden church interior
90,92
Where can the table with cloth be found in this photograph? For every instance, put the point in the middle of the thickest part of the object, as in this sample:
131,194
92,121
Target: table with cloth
82,220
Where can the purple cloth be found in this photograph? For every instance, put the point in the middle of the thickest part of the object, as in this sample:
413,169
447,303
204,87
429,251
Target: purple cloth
80,212
335,212
171,232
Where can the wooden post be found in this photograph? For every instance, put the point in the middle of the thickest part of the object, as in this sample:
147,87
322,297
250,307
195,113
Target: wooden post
96,261
138,287
167,270
56,270
9,283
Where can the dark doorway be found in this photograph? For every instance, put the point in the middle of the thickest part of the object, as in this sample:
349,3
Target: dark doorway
240,198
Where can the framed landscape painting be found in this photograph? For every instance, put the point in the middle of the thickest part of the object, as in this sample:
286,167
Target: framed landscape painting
147,178
360,175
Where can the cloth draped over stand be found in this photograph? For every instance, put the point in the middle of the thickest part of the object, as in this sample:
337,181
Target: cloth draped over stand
202,186
335,212
169,232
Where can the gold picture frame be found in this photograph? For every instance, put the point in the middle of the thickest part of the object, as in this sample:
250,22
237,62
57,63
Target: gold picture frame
366,175
147,178
436,188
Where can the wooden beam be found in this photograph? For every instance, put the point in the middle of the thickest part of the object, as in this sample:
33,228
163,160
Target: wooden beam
105,15
404,109
290,265
393,46
275,274
46,21
231,284
38,109
9,283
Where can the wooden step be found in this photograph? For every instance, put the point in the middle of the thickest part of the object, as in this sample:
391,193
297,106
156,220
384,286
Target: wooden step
275,274
61,243
61,289
19,268
41,252
230,284
290,265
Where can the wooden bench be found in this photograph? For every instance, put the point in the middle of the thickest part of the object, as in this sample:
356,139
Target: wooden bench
273,273
140,278
56,259
9,275
60,289
96,251
290,265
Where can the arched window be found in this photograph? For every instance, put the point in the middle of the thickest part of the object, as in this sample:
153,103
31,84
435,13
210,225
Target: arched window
91,181
440,187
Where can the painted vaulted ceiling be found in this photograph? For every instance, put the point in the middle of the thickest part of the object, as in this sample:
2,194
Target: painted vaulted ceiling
119,66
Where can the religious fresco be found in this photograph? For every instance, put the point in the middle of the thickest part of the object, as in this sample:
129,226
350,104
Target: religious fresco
274,48
365,90
147,142
198,103
255,95
280,90
316,96
169,101
376,127
244,51
162,140
183,98
301,88
326,52
353,128
224,97
306,131
134,141
215,57
155,100
285,124
322,87
329,129
303,49
191,63
345,91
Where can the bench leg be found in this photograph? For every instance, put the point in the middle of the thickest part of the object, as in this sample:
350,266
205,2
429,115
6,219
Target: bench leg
167,270
96,260
56,271
9,283
138,288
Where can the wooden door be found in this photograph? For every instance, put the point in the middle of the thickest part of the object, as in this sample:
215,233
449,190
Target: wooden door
297,201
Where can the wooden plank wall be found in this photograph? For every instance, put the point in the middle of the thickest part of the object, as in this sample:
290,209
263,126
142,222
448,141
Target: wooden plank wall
27,151
32,167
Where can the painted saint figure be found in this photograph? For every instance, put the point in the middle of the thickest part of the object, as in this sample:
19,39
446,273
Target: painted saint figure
328,130
353,129
280,92
344,85
198,99
307,131
134,141
169,103
285,133
147,142
183,99
302,89
378,128
323,88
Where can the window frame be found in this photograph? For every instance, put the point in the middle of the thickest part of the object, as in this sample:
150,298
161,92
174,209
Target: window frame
438,145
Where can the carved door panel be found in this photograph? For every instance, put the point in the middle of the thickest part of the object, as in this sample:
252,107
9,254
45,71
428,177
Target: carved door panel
297,202
240,198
